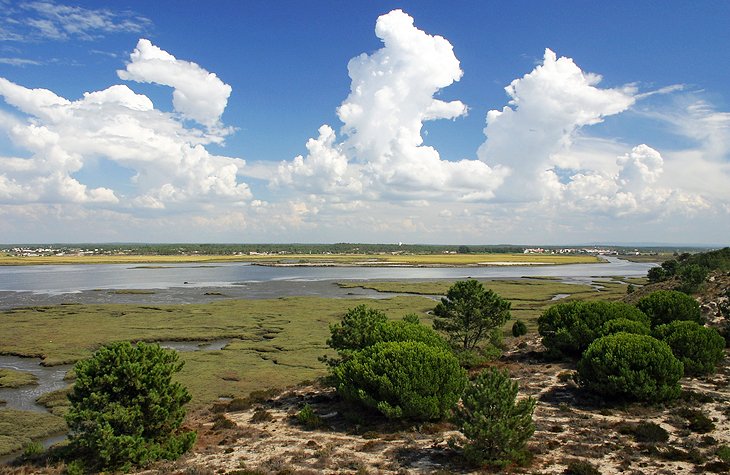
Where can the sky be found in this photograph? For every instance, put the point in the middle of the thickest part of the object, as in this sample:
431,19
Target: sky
465,122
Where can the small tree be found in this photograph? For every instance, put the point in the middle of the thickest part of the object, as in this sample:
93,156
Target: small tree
469,313
125,408
495,424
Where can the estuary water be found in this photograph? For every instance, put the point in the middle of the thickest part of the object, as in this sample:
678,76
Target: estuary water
59,279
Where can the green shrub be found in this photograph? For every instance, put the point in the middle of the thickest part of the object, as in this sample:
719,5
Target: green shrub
723,452
495,424
692,276
581,467
635,367
618,325
666,306
699,348
568,328
125,408
308,418
362,327
519,328
402,379
696,420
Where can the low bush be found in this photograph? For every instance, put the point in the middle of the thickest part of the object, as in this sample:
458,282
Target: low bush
495,424
308,418
646,432
409,380
666,306
581,467
519,328
634,367
568,328
699,348
696,420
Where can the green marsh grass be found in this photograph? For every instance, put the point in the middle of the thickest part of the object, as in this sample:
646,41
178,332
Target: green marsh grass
20,428
11,378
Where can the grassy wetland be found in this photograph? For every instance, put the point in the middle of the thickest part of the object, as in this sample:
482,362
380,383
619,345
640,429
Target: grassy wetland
274,343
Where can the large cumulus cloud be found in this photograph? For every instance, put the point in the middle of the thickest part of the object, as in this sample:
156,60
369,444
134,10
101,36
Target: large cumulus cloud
391,96
168,161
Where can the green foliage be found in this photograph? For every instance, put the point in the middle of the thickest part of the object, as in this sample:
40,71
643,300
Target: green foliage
645,432
699,348
308,418
581,467
656,274
356,330
363,326
692,276
469,312
125,408
495,424
723,452
568,328
410,380
692,269
32,449
519,328
618,325
634,367
666,306
696,420
75,467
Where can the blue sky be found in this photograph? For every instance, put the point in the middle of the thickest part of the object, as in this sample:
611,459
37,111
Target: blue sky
238,121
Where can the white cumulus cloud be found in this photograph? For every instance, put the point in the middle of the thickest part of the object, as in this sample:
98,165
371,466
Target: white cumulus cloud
167,161
547,107
391,95
198,94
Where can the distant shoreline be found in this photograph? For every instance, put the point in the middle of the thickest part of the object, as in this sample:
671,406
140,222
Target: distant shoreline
310,260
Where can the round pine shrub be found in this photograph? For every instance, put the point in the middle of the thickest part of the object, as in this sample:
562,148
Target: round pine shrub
634,367
496,426
125,408
666,306
618,325
519,328
568,328
699,348
410,380
356,329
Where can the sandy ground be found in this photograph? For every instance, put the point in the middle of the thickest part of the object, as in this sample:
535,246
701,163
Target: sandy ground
570,426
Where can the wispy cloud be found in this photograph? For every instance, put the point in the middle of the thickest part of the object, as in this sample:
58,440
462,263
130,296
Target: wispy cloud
46,20
20,62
